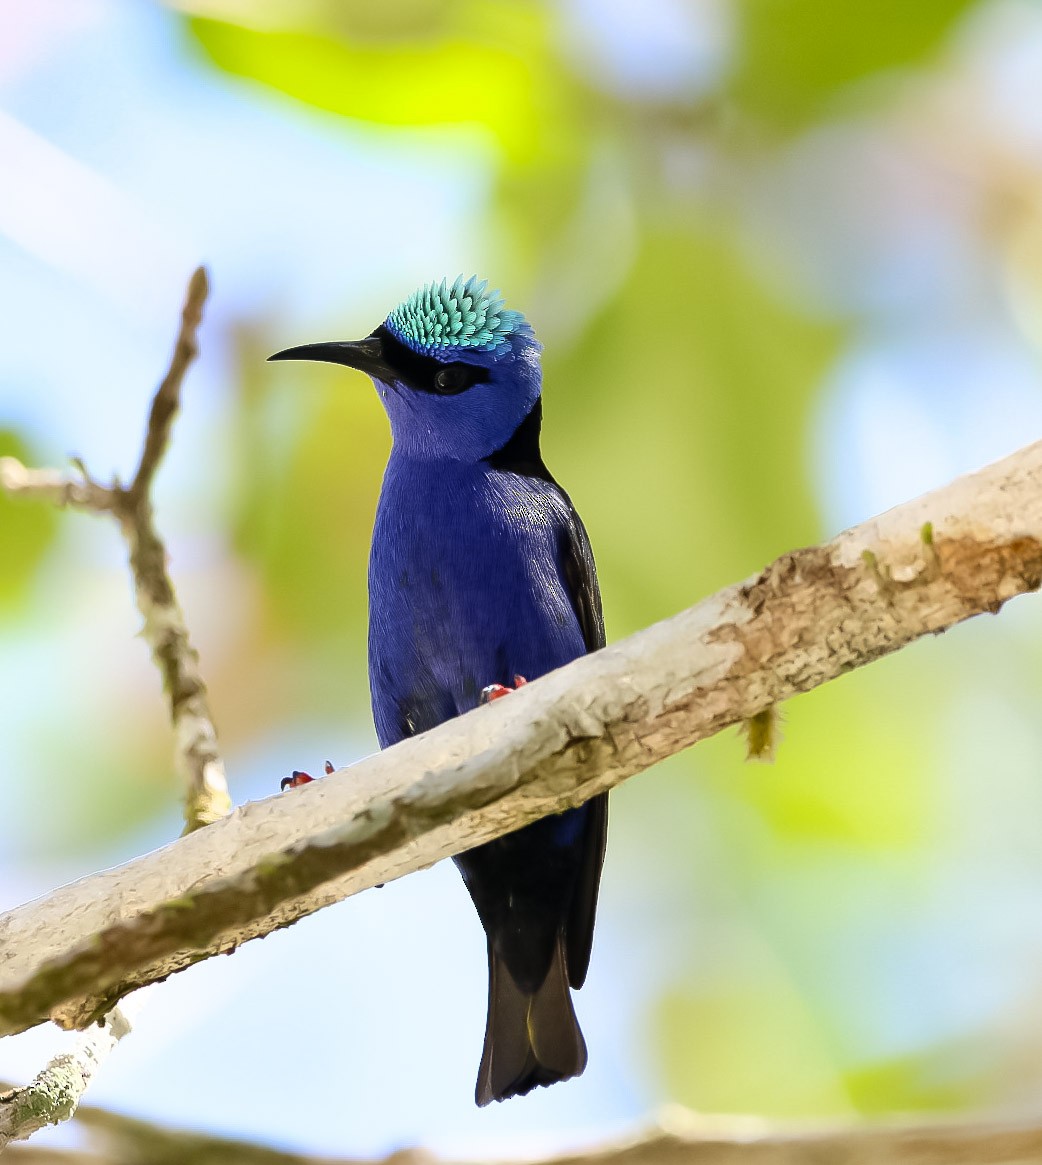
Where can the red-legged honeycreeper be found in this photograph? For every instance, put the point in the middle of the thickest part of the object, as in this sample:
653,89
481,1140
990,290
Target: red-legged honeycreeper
481,573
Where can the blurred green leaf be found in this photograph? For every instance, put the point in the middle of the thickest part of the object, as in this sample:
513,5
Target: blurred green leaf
944,1078
451,79
313,457
854,765
751,1043
796,55
748,1046
678,423
123,790
27,530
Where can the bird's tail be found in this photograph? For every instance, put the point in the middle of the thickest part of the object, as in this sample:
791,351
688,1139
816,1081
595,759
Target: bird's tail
530,1040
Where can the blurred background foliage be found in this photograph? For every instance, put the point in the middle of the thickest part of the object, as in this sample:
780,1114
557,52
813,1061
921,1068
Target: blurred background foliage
785,257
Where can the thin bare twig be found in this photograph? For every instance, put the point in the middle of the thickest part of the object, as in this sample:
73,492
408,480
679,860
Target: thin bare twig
167,399
165,631
202,769
50,485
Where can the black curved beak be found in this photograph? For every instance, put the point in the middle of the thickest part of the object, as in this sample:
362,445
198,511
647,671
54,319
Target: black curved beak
366,355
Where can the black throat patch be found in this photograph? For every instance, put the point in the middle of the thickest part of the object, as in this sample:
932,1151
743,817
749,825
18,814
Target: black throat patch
521,452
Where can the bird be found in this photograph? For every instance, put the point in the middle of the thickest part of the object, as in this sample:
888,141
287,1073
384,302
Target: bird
481,577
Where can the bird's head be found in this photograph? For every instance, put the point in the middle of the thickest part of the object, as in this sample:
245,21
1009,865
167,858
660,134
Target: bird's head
456,371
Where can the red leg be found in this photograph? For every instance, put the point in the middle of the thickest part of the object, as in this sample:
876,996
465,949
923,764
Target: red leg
498,691
298,778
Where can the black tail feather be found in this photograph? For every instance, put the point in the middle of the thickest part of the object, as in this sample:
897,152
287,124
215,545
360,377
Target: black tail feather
530,1040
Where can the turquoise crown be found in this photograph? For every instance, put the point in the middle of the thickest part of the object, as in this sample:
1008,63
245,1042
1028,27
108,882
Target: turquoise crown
464,317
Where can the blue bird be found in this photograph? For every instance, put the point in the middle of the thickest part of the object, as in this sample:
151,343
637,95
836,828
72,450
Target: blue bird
481,576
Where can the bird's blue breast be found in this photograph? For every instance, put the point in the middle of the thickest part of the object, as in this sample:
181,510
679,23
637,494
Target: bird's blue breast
466,589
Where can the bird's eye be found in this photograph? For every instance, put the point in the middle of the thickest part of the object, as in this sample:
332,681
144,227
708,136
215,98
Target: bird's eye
453,378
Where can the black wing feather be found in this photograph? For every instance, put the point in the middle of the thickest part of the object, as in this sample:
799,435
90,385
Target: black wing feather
521,455
580,575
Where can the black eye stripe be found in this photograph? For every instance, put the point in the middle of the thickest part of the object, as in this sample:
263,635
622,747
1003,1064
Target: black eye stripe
419,372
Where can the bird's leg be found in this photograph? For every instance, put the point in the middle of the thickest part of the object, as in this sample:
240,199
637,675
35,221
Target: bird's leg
496,691
298,778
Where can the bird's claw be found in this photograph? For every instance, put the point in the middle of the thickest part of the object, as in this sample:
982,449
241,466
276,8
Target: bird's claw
297,778
497,691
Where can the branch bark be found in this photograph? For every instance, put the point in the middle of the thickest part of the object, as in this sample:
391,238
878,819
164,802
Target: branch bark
810,616
683,1138
53,1095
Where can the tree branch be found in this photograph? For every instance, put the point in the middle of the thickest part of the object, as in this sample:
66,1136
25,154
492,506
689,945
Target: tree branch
52,1097
51,486
808,617
202,770
682,1138
167,399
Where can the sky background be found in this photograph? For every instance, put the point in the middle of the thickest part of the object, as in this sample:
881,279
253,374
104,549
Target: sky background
786,263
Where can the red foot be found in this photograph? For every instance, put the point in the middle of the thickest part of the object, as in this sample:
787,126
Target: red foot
298,778
497,691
